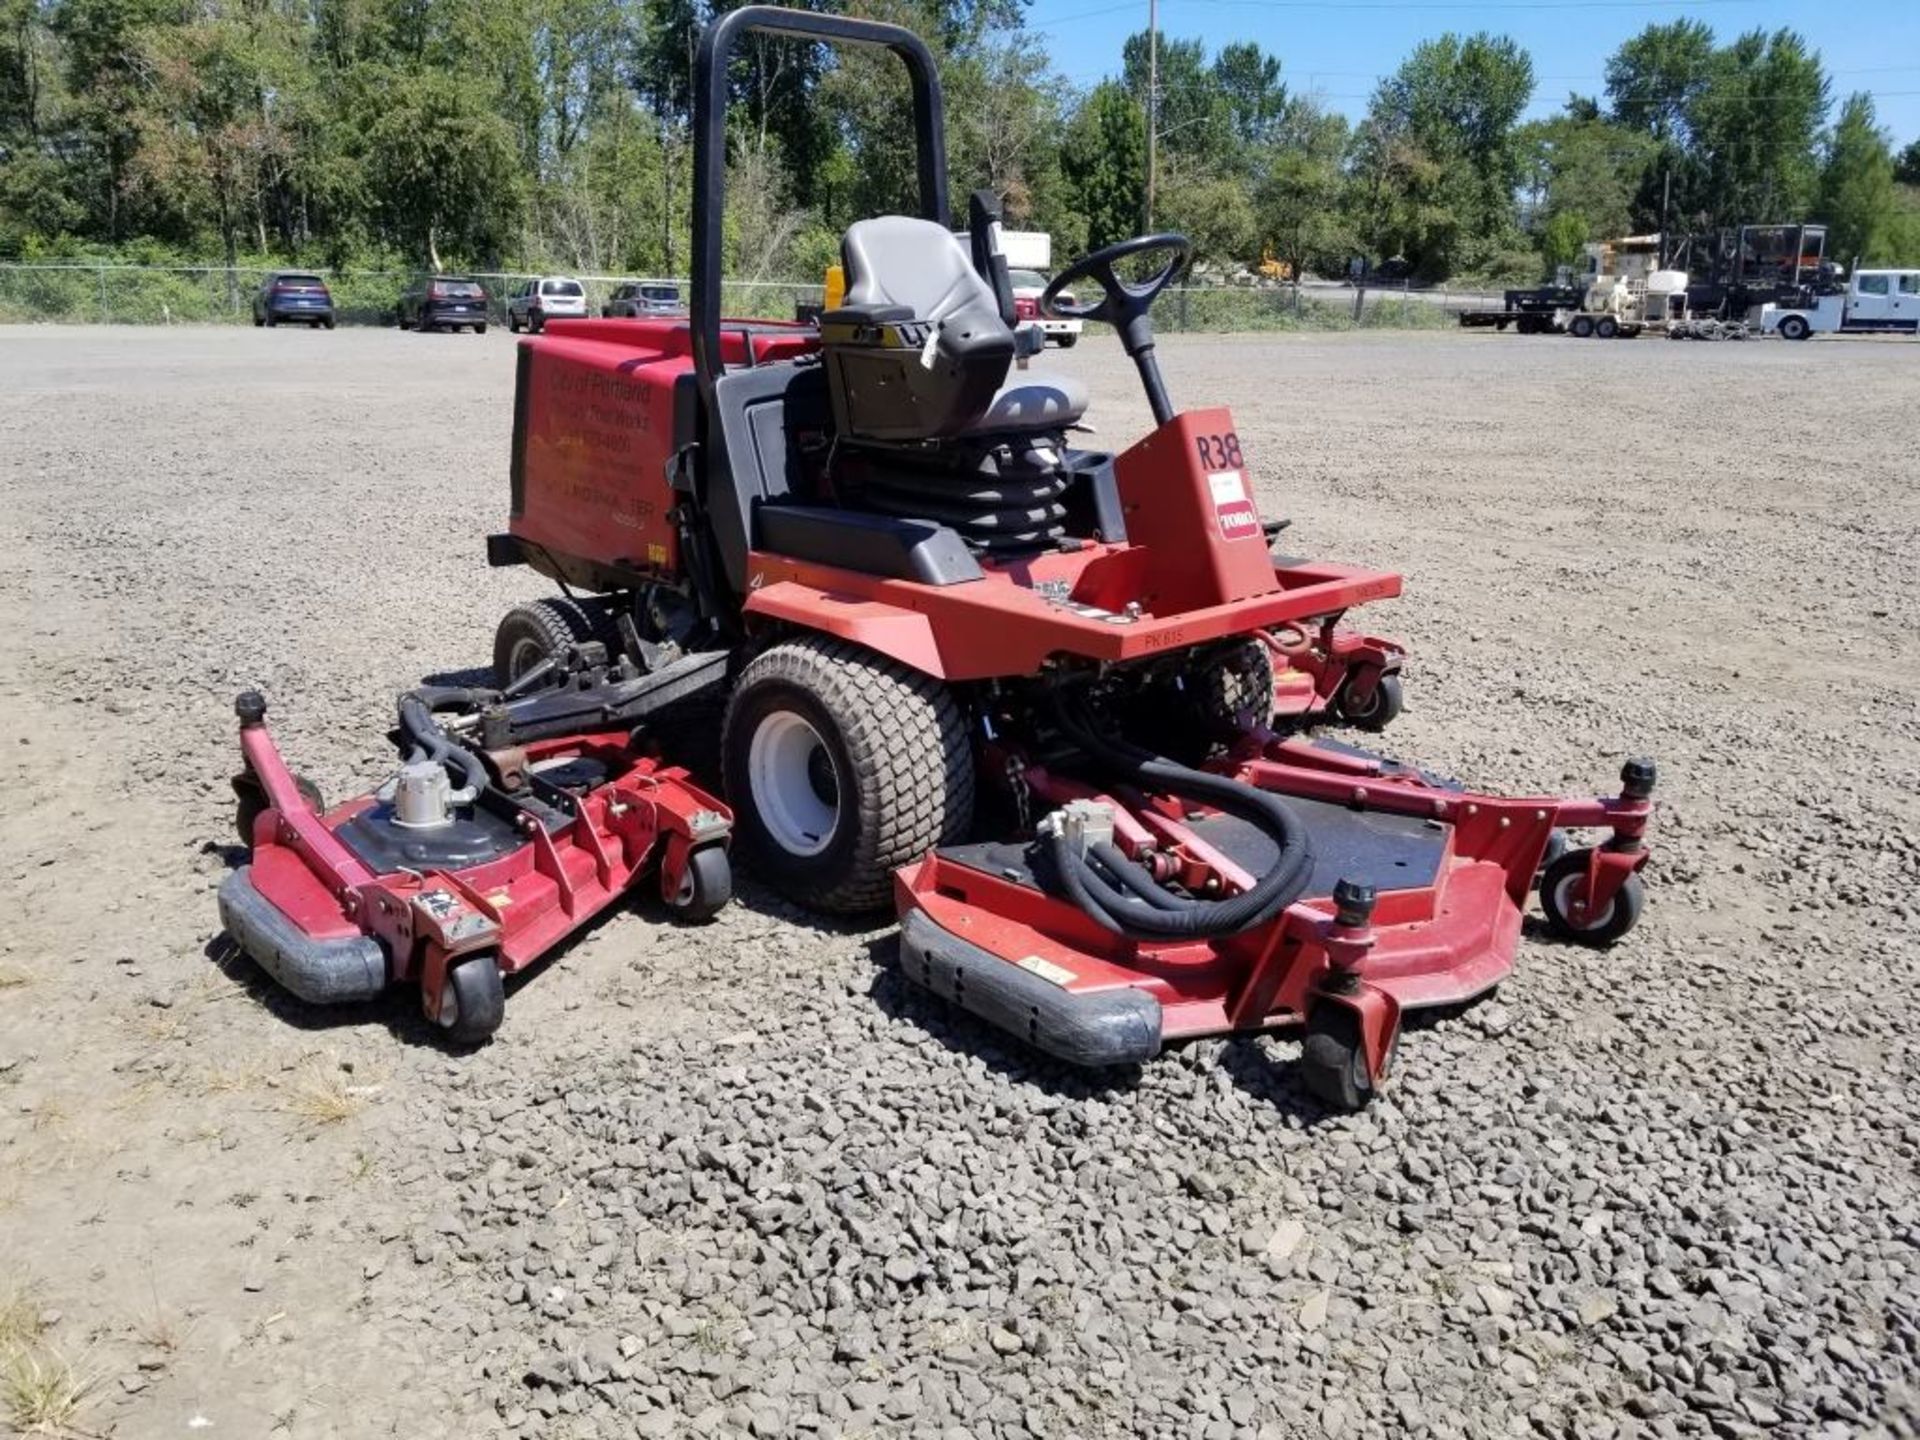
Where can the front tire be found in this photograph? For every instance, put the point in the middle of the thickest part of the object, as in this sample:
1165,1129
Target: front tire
842,765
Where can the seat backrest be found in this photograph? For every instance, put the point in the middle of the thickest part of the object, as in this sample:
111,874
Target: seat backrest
898,260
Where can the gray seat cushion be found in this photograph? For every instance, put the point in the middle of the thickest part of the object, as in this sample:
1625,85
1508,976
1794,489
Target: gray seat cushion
1032,401
900,260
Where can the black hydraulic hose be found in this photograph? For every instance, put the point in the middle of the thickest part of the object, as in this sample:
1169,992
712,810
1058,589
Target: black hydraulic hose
433,743
1133,903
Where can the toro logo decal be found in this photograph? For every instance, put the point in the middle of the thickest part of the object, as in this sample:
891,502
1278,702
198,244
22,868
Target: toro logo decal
1220,457
1238,520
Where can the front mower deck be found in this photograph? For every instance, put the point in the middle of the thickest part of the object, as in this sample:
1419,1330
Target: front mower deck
1415,900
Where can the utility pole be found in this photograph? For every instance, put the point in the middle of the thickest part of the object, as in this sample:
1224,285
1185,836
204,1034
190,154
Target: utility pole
1153,99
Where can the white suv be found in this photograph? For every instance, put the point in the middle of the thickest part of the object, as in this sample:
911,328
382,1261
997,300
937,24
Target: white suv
546,297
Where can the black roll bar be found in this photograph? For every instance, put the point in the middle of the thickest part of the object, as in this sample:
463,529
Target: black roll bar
710,69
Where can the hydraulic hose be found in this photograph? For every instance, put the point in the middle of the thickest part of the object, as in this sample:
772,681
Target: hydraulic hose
1124,898
430,742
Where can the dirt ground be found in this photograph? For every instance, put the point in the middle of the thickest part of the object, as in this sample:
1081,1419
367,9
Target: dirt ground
1668,1188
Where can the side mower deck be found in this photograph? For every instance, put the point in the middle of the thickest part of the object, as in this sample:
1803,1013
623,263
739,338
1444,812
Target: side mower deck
1415,900
337,904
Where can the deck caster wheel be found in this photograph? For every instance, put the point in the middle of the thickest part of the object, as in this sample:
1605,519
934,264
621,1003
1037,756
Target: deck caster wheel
841,765
705,888
250,801
1377,711
1567,916
473,1001
1333,1065
1556,847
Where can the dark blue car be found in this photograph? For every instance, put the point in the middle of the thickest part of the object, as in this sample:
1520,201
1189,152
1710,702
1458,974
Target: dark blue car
293,295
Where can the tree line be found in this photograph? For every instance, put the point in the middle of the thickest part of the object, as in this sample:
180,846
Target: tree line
537,134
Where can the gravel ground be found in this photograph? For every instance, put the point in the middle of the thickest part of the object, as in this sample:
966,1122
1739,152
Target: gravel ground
740,1180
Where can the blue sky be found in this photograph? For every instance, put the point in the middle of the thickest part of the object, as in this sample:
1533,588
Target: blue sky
1340,48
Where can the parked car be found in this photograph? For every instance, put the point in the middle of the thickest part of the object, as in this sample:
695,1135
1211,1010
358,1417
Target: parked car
293,295
635,299
434,302
1028,286
543,298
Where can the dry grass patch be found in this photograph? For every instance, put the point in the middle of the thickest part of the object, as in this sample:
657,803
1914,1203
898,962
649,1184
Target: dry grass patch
44,1391
20,1308
321,1095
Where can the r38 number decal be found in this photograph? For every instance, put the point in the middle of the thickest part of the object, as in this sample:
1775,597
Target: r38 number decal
1219,452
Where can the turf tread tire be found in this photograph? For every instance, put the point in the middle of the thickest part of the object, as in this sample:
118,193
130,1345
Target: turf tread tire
906,743
553,623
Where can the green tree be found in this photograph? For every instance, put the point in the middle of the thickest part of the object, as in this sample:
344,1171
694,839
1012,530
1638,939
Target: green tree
1301,191
1562,237
1907,168
1104,161
1856,186
1440,155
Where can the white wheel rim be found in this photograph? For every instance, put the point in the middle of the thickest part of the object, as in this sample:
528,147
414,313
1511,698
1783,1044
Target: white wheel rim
449,1006
1563,904
783,751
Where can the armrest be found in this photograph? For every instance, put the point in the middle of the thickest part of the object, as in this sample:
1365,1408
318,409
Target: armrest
868,315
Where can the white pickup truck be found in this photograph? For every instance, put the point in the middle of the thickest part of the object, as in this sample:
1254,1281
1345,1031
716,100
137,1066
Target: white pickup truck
1875,302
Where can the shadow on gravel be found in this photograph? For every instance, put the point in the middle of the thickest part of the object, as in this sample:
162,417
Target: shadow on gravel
473,677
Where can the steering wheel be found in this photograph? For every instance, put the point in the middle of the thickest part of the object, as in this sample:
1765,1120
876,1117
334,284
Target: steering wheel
1122,305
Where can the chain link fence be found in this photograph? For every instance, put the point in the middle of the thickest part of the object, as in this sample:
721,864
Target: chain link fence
104,294
77,292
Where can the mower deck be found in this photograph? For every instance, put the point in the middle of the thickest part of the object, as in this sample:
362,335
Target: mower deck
1415,900
336,905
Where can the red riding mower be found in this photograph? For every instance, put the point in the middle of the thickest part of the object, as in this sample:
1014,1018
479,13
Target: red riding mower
1052,702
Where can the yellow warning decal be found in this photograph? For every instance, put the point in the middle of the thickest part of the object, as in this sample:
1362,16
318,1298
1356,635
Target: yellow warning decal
1048,971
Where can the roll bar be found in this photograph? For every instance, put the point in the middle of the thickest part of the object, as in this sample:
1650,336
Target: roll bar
710,69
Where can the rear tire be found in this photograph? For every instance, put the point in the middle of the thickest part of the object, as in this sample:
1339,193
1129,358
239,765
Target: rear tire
540,630
1606,328
1795,327
1067,342
1580,327
473,1001
842,765
479,329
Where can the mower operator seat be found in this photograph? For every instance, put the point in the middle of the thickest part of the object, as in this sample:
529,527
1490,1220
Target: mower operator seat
918,350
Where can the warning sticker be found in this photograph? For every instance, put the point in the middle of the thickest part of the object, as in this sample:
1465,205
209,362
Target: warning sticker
1048,971
1238,520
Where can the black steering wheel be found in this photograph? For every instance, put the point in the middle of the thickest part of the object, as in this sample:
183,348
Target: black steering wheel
1122,305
